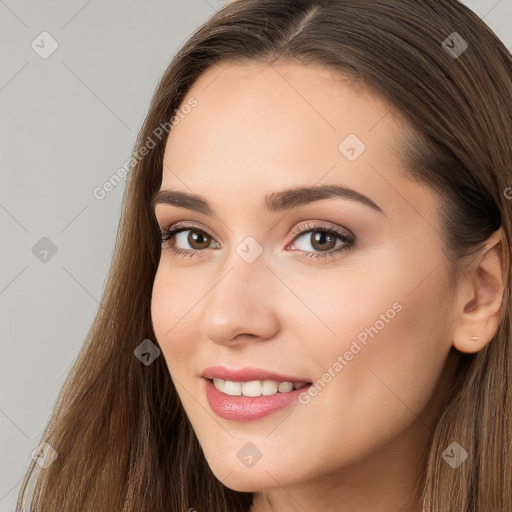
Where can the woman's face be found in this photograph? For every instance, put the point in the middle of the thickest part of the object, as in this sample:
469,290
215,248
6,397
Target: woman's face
366,317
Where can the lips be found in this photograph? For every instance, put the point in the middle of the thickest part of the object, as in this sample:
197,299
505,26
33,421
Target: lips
247,408
249,374
243,408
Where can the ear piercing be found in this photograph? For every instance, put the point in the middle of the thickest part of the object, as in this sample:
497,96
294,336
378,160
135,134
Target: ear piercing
474,337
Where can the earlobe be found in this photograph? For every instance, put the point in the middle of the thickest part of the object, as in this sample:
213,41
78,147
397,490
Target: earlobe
480,297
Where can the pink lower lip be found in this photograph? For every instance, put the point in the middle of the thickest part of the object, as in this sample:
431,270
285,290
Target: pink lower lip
247,408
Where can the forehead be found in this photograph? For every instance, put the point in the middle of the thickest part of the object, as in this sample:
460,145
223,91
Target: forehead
276,109
261,128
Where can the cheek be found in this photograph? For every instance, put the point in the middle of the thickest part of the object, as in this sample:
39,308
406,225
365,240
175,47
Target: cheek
377,340
385,307
172,305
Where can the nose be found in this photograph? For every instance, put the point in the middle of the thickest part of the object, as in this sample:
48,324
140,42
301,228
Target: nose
241,303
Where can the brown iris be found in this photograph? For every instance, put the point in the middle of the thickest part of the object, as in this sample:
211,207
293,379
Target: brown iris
318,240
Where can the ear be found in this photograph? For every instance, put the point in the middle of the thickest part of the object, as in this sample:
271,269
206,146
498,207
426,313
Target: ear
480,297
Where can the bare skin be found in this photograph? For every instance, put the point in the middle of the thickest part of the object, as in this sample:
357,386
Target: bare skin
358,444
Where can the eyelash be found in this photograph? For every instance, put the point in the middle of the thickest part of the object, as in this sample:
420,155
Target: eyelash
167,235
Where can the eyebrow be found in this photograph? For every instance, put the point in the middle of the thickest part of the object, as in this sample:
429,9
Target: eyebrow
274,202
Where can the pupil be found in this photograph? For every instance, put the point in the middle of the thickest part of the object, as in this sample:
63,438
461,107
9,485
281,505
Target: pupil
321,237
194,235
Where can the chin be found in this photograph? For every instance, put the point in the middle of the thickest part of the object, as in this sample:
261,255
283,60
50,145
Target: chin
243,479
242,484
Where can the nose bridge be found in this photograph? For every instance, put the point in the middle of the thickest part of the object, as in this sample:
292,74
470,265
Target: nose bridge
240,298
245,270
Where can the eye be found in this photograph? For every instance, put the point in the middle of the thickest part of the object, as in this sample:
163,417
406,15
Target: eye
321,238
183,234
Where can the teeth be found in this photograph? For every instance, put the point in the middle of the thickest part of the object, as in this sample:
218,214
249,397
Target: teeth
219,384
255,387
232,388
252,388
269,387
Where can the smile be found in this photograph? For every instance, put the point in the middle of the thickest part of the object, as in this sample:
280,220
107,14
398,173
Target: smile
255,387
244,407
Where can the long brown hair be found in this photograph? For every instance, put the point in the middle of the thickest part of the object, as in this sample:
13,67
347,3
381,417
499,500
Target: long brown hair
123,440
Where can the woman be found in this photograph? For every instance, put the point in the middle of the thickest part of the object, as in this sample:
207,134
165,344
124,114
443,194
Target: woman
237,362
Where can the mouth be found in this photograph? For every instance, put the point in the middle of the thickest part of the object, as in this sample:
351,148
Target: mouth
251,400
255,388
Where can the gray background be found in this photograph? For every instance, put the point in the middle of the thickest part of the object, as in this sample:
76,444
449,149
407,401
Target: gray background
68,122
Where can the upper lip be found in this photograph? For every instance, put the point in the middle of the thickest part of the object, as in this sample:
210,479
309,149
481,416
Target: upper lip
246,374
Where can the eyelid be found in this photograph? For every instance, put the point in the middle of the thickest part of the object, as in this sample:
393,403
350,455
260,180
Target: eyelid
321,225
299,229
189,225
